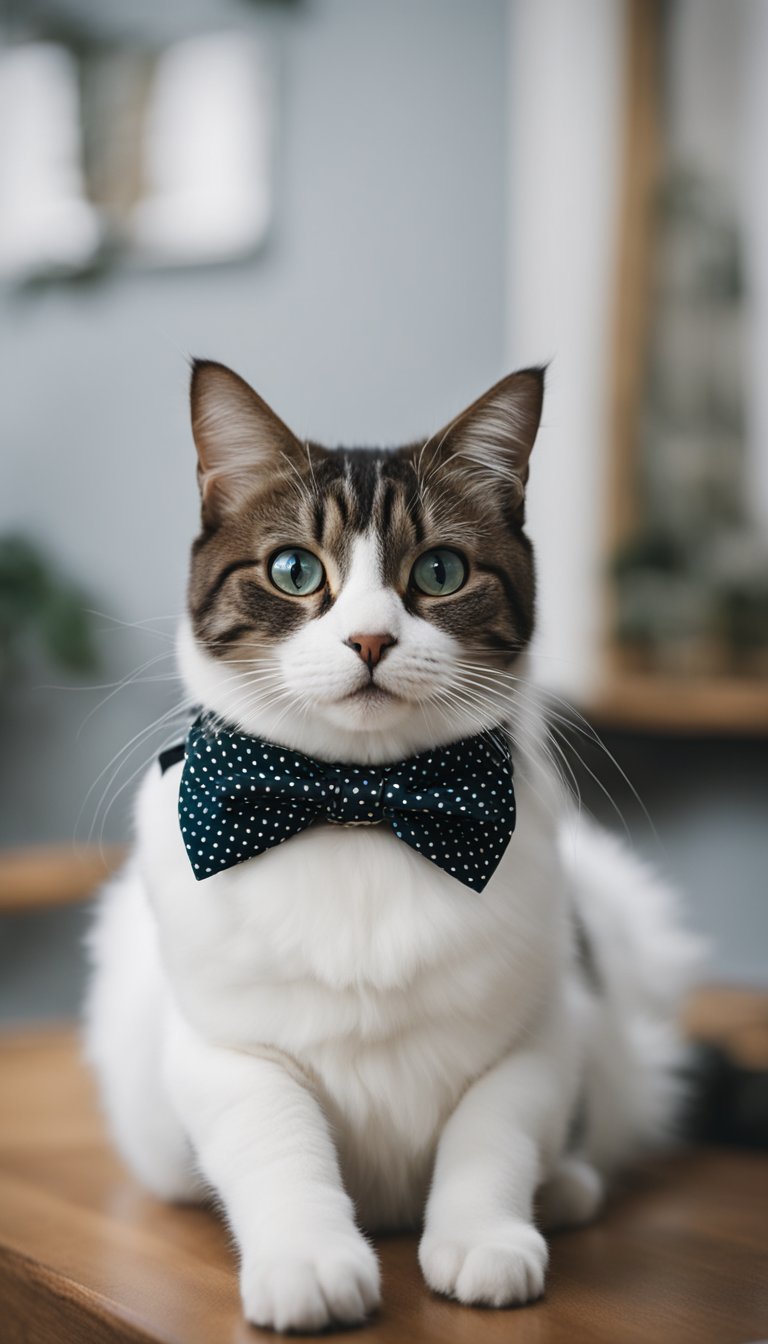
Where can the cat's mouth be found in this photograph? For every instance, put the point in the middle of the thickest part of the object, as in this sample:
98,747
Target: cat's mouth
371,694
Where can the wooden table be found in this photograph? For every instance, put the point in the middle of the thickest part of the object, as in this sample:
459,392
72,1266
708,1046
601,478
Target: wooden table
85,1255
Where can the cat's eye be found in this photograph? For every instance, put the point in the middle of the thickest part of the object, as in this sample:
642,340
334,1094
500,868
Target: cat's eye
296,571
439,573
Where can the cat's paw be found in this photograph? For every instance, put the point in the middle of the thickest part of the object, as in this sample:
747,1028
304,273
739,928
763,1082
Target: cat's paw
572,1195
338,1284
501,1266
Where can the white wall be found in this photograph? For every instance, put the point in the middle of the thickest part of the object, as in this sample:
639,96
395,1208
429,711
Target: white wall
565,104
376,310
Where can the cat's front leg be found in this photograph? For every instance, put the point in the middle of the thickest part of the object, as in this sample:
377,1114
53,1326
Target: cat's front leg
479,1243
263,1143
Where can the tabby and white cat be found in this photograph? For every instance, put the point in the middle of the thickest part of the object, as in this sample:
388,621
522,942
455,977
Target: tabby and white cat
338,1034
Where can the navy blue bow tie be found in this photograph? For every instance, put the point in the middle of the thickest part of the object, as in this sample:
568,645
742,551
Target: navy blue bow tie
240,796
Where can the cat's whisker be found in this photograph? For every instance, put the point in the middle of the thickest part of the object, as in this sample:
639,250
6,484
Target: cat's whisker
311,467
139,770
123,755
299,485
602,787
534,764
147,625
583,727
242,700
515,703
156,725
254,678
521,746
256,663
130,679
122,683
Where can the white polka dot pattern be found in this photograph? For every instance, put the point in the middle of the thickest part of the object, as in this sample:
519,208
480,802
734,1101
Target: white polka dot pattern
240,796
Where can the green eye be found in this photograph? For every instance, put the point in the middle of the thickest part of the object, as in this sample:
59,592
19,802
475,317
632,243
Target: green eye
439,572
296,572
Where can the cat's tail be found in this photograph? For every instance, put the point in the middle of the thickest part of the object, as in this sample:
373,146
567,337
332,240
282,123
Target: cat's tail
637,961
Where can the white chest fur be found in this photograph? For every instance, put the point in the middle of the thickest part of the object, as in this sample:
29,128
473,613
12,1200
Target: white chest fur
388,982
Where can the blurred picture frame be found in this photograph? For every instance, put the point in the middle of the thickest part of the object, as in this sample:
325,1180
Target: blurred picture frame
145,154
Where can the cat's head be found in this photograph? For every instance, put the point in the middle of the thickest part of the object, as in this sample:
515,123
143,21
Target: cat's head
359,604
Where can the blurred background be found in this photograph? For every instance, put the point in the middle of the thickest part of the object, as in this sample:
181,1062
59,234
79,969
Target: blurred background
372,211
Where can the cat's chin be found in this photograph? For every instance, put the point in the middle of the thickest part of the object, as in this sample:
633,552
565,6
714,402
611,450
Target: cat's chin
371,708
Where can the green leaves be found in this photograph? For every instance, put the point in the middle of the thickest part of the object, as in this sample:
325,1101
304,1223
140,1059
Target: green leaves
40,611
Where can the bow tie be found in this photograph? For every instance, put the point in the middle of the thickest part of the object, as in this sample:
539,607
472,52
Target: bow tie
240,796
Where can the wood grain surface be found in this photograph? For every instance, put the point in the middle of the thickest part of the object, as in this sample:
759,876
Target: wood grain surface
685,706
680,1257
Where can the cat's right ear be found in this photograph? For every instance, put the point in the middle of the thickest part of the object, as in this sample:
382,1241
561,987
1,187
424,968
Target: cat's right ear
239,439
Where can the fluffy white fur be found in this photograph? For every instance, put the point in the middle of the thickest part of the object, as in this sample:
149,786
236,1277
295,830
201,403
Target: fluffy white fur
338,1034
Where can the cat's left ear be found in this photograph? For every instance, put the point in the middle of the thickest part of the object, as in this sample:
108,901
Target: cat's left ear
491,441
241,442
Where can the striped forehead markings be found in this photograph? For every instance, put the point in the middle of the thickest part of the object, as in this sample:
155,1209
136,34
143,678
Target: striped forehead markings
387,505
363,476
372,482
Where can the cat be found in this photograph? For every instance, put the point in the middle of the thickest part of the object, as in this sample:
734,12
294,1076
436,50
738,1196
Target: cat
339,1034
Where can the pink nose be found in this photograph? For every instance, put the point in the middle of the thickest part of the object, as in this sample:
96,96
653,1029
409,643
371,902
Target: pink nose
371,648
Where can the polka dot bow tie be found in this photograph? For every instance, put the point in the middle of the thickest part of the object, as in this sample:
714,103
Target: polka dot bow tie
240,796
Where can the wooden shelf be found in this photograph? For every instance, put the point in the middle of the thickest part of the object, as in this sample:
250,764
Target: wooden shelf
53,875
717,706
732,1017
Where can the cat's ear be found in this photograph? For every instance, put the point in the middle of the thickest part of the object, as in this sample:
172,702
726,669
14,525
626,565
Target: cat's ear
239,439
491,441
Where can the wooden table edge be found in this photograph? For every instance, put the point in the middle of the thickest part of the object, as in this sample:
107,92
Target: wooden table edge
56,1307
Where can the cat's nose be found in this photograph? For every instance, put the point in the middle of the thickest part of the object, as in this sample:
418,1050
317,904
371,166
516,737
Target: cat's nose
371,648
